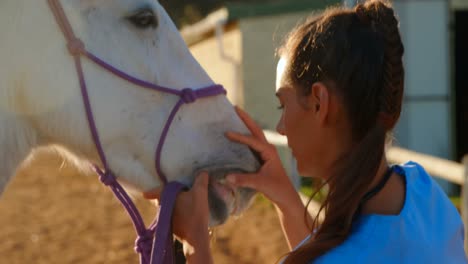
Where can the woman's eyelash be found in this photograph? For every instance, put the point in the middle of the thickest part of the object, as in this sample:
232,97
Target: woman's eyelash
281,107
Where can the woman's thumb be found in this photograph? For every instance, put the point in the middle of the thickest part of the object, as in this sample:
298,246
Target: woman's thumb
242,180
201,181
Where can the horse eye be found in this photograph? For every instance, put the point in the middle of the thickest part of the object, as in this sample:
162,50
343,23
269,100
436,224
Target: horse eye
144,19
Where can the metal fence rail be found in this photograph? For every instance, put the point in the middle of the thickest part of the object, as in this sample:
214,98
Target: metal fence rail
437,167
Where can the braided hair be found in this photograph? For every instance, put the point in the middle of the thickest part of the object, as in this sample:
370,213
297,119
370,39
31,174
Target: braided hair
382,19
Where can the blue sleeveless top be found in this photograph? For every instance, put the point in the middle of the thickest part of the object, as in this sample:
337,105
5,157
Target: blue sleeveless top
428,229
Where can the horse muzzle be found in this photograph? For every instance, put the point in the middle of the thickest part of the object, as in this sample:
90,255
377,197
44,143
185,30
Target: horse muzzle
225,199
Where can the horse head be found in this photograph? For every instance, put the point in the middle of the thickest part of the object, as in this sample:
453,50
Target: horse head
41,103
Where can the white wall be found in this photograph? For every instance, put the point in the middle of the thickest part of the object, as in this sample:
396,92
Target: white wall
426,124
223,68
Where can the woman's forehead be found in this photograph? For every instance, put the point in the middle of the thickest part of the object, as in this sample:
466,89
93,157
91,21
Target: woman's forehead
280,73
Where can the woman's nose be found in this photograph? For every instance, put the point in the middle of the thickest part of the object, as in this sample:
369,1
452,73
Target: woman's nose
280,127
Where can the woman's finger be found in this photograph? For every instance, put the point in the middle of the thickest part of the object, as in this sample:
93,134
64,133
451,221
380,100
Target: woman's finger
250,123
201,182
153,194
252,142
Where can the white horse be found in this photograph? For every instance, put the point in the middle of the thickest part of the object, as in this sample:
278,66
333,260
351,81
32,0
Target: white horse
41,105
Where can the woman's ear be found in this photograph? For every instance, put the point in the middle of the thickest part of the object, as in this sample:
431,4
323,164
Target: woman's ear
319,100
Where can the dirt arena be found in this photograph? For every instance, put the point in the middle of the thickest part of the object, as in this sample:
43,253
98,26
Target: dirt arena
51,216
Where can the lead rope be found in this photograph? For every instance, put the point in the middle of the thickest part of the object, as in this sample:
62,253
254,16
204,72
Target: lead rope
154,244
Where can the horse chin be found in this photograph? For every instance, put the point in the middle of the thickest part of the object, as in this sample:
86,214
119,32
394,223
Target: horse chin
226,200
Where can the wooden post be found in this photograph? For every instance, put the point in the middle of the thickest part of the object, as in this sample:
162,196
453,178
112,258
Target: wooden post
465,202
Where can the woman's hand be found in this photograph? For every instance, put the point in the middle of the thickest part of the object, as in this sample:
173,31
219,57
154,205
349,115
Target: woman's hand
271,179
190,219
191,214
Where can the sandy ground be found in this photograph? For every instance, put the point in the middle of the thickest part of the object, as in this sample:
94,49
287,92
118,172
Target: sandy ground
52,216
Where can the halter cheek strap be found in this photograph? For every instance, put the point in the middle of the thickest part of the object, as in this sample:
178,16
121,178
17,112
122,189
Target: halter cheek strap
154,244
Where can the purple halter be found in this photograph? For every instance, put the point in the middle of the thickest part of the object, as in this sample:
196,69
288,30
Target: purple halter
154,244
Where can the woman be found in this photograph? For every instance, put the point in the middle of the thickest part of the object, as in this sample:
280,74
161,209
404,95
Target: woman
340,87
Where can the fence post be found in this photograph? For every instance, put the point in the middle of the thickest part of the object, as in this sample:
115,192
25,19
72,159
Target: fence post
464,204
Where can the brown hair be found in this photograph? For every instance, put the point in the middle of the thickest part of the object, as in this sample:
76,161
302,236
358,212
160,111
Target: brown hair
358,54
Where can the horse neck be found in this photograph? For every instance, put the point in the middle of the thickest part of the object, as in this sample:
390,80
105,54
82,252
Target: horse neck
26,95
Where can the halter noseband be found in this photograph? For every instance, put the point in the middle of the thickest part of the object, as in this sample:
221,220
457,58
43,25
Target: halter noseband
154,244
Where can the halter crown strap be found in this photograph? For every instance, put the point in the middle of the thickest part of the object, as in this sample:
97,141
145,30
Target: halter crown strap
161,247
62,20
76,47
